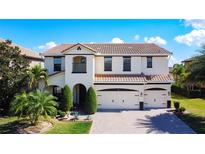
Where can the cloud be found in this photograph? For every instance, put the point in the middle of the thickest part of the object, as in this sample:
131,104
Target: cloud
195,23
195,37
47,46
157,40
137,37
173,61
117,40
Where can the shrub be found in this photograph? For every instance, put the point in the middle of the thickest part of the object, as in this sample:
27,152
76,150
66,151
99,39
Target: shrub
61,113
91,101
33,105
182,109
176,105
67,101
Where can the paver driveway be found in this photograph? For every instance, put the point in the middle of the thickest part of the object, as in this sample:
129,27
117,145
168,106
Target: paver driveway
157,121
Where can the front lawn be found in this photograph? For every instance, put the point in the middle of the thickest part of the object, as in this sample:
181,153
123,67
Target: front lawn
195,107
9,125
70,128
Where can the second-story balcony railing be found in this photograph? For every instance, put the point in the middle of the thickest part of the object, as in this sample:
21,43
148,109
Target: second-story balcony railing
79,67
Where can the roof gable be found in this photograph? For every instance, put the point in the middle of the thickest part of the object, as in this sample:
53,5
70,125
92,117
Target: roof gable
78,48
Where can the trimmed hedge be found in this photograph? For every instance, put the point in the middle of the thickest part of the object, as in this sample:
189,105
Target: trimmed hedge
90,106
67,100
197,93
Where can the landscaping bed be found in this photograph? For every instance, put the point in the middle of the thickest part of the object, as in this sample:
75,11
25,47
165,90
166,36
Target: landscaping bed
195,112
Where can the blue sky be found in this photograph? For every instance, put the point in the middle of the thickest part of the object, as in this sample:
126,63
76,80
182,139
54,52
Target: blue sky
181,37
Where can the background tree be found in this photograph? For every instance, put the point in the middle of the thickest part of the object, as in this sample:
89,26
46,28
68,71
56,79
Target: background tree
33,105
90,106
67,102
178,72
36,74
13,76
197,68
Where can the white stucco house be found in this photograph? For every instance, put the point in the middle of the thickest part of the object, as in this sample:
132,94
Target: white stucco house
125,76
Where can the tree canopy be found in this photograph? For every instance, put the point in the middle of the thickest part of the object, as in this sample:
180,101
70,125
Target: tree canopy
36,74
13,76
197,68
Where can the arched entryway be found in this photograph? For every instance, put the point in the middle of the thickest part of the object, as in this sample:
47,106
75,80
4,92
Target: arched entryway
79,93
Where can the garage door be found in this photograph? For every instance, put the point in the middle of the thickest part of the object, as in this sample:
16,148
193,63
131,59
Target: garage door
155,99
118,99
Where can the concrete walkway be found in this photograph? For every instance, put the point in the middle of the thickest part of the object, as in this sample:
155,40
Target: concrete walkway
156,121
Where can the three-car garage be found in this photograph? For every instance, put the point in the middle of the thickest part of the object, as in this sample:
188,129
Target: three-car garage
121,98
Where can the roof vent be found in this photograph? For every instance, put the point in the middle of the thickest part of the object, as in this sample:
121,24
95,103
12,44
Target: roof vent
79,48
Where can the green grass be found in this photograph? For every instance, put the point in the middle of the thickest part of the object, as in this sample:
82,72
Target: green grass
70,128
7,119
195,117
9,125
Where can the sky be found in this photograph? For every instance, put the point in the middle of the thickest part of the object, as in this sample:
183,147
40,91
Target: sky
181,37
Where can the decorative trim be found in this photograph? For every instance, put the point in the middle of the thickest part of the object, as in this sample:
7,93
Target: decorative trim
118,84
150,89
55,56
159,83
79,54
79,72
118,89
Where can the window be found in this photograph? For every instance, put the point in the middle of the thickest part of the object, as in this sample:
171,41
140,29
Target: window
149,62
107,63
126,63
79,64
56,90
57,63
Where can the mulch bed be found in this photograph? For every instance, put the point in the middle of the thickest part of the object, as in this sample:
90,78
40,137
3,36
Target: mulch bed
42,127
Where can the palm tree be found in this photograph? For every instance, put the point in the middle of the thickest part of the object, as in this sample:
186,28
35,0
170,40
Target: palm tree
33,105
179,72
36,74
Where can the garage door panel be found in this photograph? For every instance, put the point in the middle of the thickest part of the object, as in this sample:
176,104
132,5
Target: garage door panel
155,99
118,100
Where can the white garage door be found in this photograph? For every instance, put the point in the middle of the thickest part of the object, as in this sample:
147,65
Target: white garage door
155,99
118,99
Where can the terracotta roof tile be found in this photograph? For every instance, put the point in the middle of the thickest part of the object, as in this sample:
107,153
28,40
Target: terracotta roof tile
115,48
132,78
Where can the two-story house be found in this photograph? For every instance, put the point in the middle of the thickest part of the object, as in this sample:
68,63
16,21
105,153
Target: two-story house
125,76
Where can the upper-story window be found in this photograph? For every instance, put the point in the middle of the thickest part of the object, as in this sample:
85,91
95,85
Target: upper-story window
127,63
79,64
57,63
149,62
108,63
